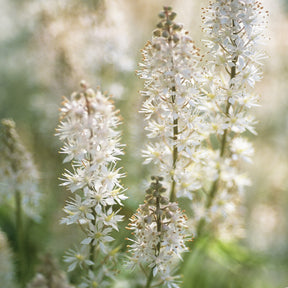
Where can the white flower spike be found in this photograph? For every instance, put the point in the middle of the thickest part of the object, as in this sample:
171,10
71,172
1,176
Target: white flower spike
88,129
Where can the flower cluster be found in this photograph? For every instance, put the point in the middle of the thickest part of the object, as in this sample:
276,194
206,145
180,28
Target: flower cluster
170,70
88,128
234,31
160,230
18,172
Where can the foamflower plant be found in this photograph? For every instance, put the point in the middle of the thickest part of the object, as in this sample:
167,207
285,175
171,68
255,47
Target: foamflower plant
88,128
18,172
19,189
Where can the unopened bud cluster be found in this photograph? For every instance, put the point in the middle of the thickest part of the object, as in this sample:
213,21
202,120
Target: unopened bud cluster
167,28
159,229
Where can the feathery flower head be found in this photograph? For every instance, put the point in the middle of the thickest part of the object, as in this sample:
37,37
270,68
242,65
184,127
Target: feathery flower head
234,26
88,128
159,228
169,69
88,123
234,30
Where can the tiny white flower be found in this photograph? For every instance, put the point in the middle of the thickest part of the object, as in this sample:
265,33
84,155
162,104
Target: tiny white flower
79,257
241,148
78,211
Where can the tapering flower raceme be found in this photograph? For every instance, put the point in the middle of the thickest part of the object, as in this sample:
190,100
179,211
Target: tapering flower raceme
18,172
88,129
159,230
234,30
170,70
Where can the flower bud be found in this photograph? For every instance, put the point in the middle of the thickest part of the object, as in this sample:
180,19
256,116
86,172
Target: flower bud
173,207
176,27
75,96
162,190
151,201
161,15
160,25
148,219
168,23
149,191
165,34
83,84
175,38
157,33
157,46
172,16
168,214
164,200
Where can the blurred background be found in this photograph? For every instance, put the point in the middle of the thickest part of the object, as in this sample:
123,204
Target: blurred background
47,47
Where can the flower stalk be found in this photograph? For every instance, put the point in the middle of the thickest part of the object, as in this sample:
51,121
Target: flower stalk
232,74
20,238
18,172
150,278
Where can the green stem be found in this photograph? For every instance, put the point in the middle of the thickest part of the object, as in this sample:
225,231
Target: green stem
173,191
175,152
149,279
175,121
159,223
212,193
158,213
214,187
89,158
91,252
20,239
92,246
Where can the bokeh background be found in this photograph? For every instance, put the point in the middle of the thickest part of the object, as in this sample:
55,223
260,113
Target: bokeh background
47,47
